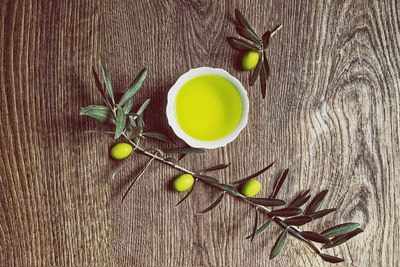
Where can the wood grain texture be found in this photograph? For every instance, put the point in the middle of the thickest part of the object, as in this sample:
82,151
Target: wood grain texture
53,199
331,115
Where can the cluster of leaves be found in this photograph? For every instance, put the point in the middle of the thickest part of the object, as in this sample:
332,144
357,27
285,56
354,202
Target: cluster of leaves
289,217
130,126
119,113
253,42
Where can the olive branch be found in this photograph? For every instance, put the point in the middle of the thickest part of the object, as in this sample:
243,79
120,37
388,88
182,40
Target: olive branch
130,127
256,43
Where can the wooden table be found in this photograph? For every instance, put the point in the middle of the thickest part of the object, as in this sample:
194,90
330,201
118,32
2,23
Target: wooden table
331,115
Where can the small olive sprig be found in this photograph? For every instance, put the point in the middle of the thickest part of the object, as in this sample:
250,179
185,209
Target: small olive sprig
254,49
130,125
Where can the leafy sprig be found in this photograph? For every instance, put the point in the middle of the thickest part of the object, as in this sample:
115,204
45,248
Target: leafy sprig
254,42
130,126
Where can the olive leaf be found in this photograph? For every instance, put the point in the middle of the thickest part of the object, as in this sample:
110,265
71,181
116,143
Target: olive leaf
279,244
254,174
315,237
184,150
157,136
132,90
300,200
143,106
331,259
240,44
338,240
298,220
321,213
120,122
100,113
261,229
268,34
285,212
249,35
134,132
140,120
100,88
256,72
278,183
157,151
243,23
229,189
207,179
214,204
107,78
140,174
315,203
187,195
268,202
217,167
255,226
264,73
128,106
340,229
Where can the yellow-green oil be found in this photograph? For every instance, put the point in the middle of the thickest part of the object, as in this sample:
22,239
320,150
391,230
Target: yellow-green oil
208,107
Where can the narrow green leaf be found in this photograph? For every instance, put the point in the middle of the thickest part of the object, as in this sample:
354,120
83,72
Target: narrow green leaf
143,106
315,203
331,259
264,73
100,113
244,23
132,90
100,88
278,183
254,227
107,78
315,237
128,106
135,132
285,212
140,121
240,44
256,72
157,136
184,150
279,244
172,160
268,202
140,174
300,200
120,122
340,229
229,189
248,35
187,195
261,229
214,204
336,241
217,167
298,220
321,213
254,174
207,179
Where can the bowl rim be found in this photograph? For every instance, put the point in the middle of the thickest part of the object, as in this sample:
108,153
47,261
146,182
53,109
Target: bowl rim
170,109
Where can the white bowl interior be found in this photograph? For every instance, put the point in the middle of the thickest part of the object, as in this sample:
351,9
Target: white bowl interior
171,116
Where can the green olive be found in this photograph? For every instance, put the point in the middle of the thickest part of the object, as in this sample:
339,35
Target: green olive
251,188
121,151
183,182
250,60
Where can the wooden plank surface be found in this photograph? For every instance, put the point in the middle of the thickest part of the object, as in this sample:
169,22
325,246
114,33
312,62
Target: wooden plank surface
53,198
331,115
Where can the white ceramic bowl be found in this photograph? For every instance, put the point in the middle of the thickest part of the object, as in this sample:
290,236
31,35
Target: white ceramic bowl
171,116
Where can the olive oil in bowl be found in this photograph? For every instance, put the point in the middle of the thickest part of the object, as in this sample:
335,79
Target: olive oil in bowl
207,107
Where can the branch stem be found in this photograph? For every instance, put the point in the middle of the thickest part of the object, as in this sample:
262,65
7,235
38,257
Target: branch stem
293,230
